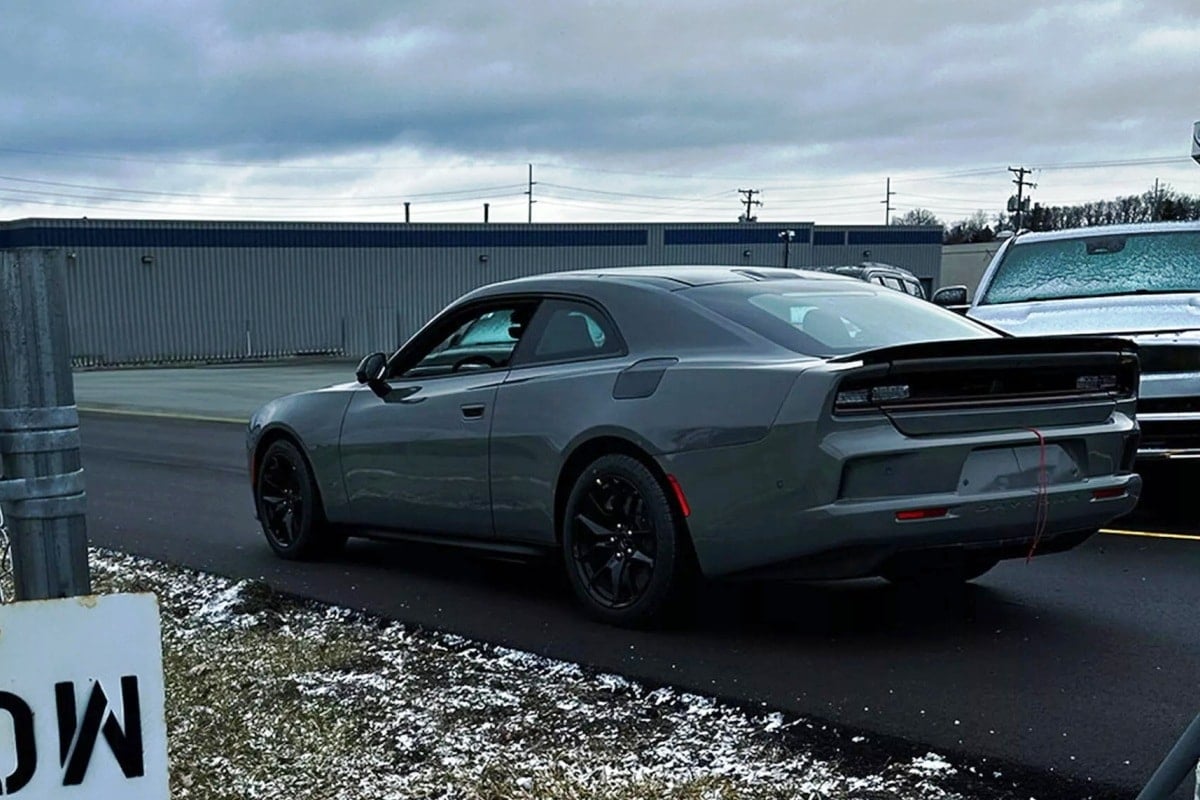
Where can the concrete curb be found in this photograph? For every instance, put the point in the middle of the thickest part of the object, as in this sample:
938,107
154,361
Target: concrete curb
133,412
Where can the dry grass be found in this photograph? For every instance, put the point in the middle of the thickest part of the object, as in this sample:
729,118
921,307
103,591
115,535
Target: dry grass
270,698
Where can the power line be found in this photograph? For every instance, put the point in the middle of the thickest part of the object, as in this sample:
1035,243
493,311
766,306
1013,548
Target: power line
100,200
618,194
477,190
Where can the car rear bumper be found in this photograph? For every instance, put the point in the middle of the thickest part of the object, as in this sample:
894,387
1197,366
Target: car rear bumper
861,538
773,505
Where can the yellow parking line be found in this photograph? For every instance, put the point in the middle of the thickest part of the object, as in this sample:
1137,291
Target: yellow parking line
1151,534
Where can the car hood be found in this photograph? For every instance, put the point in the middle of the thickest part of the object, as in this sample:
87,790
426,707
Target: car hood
1124,314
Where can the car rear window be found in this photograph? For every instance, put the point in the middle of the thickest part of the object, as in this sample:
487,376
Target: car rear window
826,322
1097,265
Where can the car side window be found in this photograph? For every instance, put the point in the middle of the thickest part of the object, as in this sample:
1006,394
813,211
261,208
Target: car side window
568,330
481,340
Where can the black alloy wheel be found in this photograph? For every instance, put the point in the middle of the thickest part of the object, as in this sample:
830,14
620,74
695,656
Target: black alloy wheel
289,507
621,543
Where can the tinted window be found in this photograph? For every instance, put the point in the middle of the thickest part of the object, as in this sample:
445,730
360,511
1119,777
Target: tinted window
475,341
1097,265
568,330
820,322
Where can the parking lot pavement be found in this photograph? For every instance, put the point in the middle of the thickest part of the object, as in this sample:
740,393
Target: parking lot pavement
230,392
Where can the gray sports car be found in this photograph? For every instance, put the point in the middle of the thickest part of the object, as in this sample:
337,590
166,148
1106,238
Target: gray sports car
655,424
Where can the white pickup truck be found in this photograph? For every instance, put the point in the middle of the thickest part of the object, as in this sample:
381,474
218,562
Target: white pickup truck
1137,281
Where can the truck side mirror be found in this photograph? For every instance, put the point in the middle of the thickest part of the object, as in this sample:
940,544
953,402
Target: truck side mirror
949,296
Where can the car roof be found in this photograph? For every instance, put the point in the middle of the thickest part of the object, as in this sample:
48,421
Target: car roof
666,276
1028,237
868,267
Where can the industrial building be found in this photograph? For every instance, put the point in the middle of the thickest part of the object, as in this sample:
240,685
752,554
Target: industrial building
144,291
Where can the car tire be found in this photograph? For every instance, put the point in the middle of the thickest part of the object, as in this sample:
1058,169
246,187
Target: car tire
624,547
940,573
289,505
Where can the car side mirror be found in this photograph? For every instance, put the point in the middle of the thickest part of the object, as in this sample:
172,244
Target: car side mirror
948,296
370,369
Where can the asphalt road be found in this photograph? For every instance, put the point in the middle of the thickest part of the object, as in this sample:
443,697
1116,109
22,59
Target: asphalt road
1085,664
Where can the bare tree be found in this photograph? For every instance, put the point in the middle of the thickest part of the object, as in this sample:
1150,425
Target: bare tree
917,216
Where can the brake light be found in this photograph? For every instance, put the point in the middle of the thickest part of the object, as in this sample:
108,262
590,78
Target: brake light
1096,383
1108,494
860,398
921,513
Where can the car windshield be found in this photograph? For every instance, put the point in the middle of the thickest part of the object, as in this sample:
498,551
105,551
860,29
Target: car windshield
1097,265
823,322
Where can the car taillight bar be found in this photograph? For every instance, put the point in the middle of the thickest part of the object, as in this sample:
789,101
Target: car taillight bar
861,398
1096,383
921,513
1109,494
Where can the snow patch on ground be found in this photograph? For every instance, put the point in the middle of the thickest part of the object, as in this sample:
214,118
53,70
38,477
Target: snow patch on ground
269,698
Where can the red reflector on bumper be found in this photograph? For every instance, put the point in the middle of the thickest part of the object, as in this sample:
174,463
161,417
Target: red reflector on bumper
921,513
683,503
1108,494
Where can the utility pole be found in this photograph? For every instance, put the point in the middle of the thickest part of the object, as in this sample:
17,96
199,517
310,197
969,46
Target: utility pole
406,217
485,211
529,192
1156,206
750,202
1022,204
887,203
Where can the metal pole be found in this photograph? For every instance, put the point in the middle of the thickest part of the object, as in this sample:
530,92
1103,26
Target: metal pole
41,474
1175,767
787,237
529,192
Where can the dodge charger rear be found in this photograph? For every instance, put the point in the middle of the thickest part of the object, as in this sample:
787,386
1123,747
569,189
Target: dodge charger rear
650,423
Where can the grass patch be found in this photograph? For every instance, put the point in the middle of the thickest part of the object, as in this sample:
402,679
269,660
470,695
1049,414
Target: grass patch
269,697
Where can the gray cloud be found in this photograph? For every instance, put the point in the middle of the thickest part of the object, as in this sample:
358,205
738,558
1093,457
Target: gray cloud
819,88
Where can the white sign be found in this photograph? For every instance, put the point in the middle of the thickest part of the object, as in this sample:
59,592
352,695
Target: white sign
81,699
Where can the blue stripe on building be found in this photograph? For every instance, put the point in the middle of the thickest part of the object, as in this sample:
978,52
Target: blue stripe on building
754,235
308,237
827,238
895,236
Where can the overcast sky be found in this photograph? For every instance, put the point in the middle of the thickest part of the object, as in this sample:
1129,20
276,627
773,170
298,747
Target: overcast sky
343,109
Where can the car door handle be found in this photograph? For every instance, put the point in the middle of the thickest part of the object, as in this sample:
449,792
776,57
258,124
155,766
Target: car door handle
474,411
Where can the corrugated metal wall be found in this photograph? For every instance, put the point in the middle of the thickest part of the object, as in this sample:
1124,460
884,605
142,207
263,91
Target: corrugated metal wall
162,291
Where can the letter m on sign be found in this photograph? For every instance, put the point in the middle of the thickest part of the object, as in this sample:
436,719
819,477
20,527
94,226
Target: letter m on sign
77,737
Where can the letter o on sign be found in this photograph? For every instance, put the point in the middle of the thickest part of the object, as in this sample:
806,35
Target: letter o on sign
26,746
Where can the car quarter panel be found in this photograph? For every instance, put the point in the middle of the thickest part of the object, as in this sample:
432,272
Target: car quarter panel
545,413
